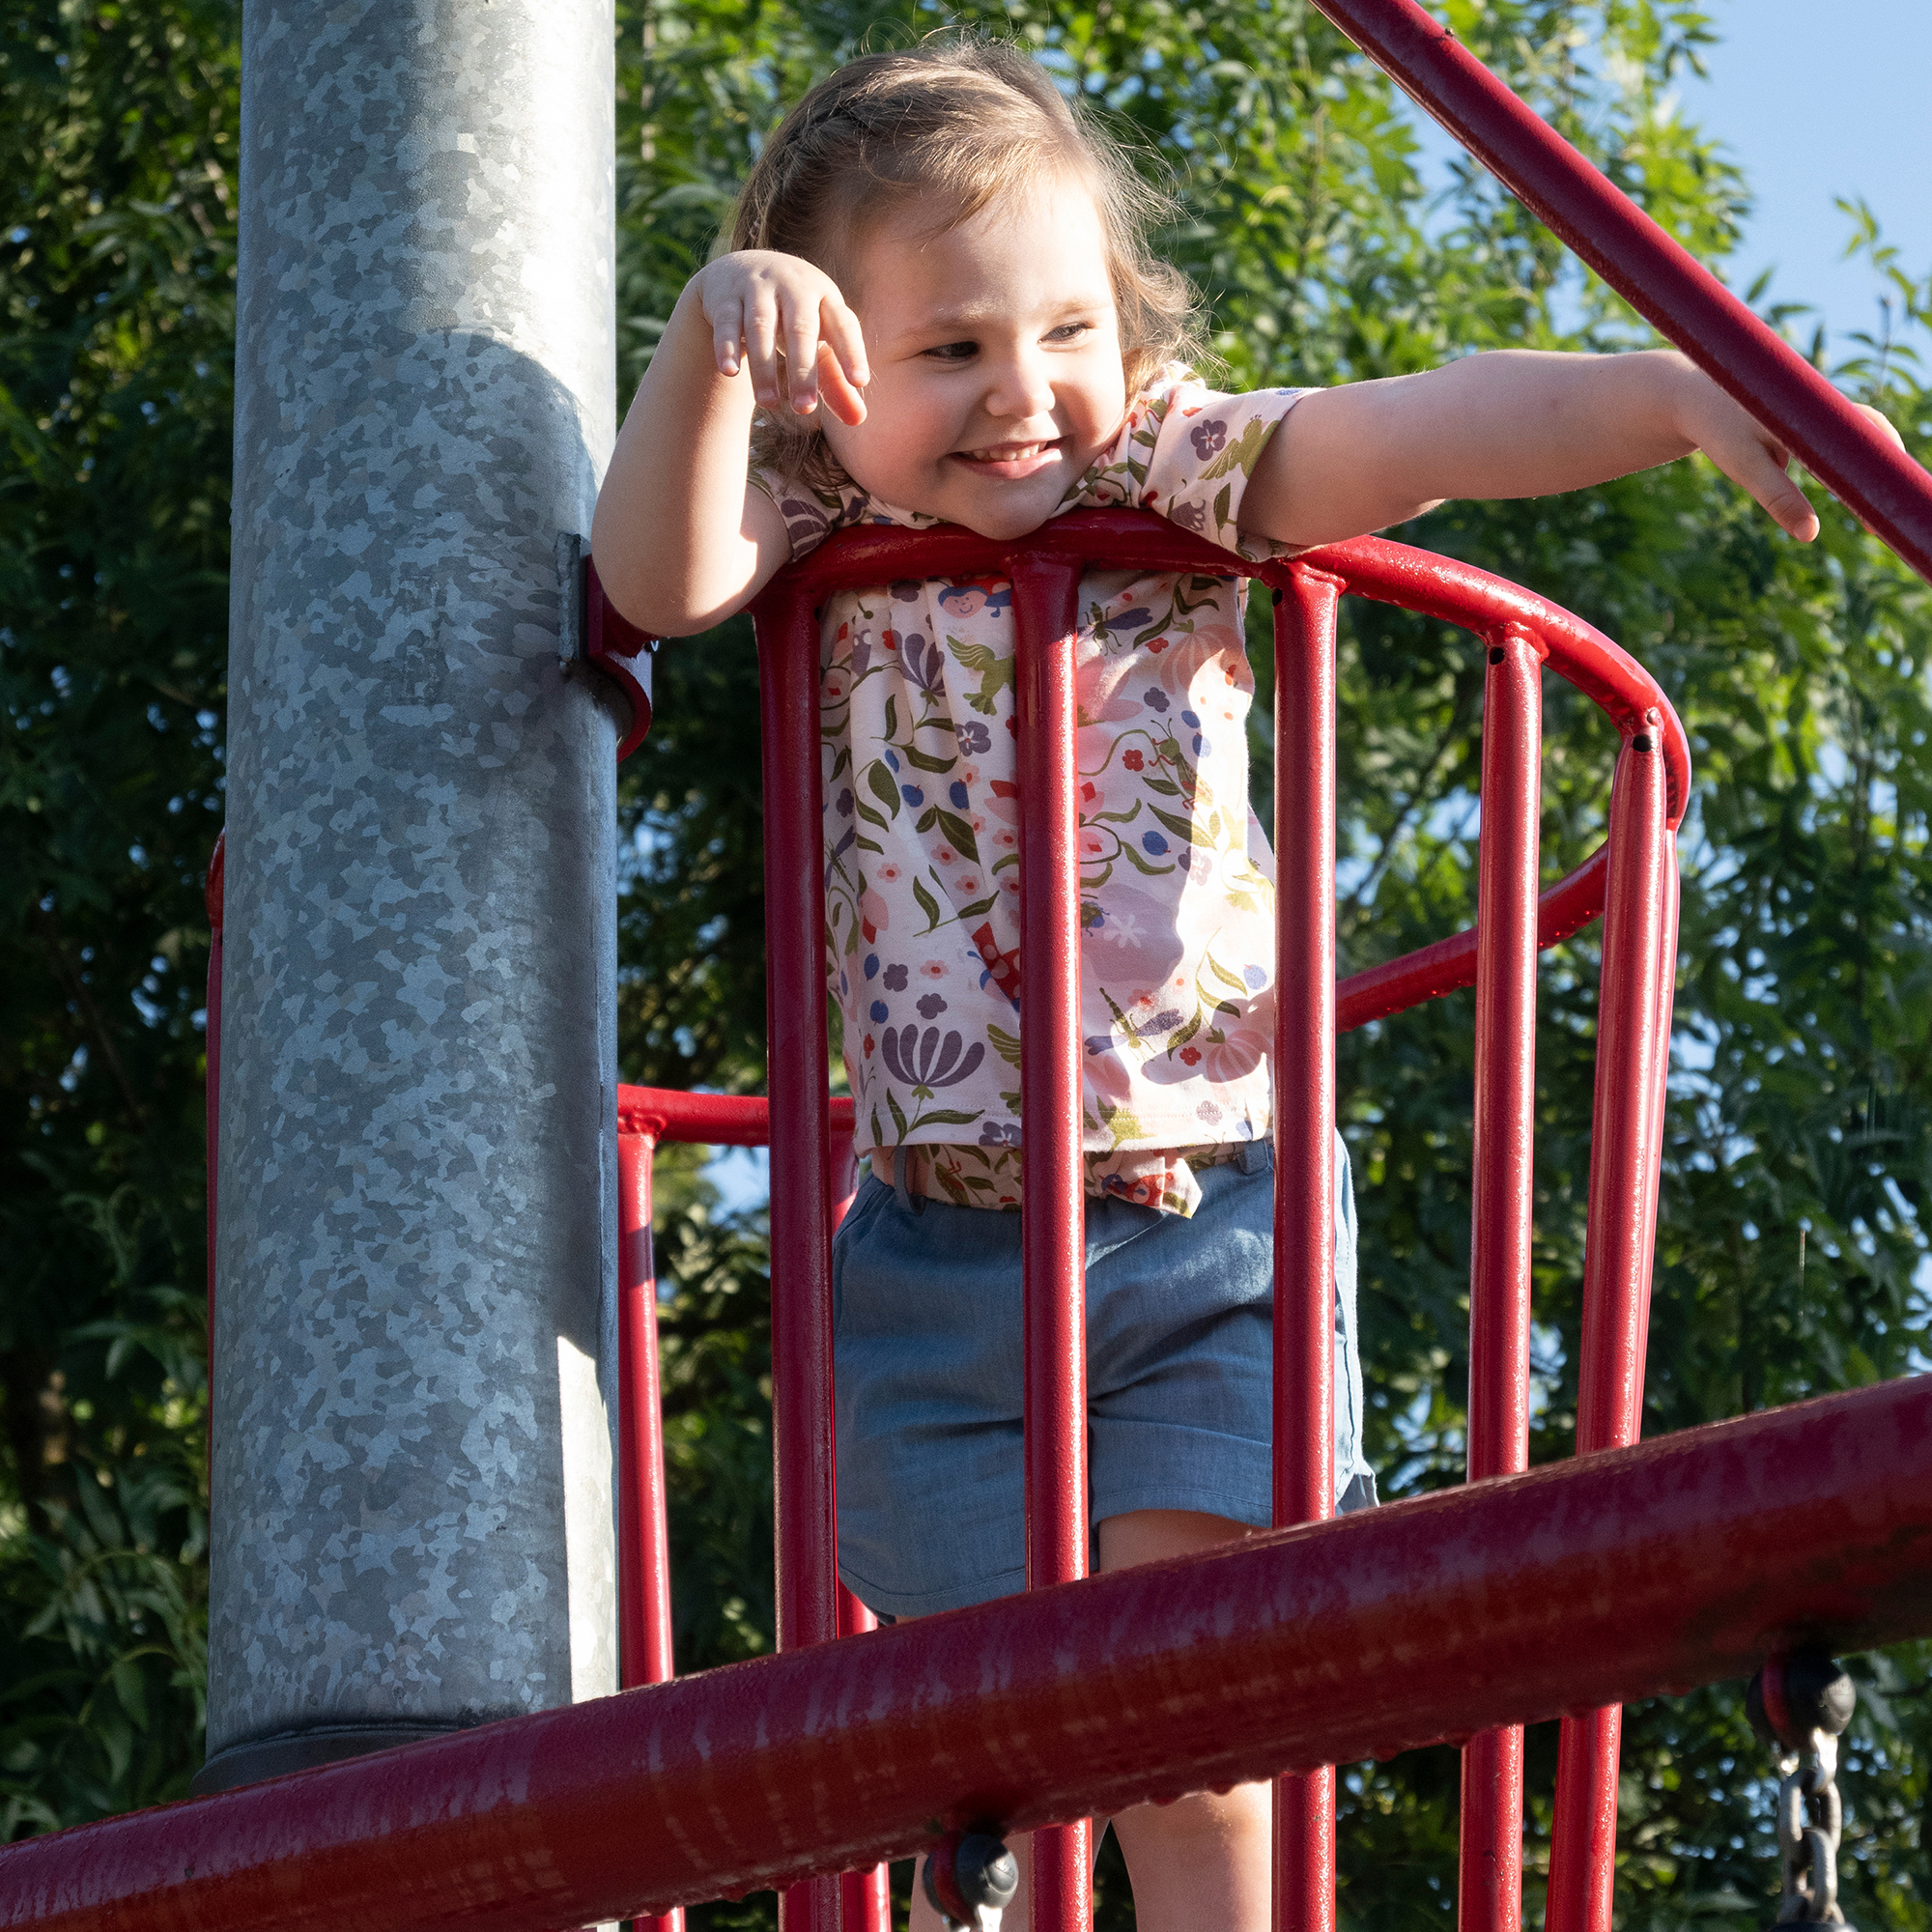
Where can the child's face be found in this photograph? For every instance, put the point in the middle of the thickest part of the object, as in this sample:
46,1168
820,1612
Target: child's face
996,362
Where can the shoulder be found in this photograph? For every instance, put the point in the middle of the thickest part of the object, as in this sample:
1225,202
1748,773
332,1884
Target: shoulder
822,499
1198,448
810,506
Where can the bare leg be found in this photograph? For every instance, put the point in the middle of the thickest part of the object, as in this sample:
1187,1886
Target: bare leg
1200,1865
1202,1861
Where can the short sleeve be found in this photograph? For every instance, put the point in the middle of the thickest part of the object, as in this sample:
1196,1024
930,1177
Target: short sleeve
811,512
1188,453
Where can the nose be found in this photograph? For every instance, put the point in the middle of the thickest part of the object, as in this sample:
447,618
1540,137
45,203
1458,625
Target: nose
1018,386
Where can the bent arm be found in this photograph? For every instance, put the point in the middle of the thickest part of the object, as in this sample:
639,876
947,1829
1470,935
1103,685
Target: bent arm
1509,423
681,541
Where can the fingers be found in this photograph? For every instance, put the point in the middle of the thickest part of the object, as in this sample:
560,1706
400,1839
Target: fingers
841,394
1881,422
847,341
782,322
728,332
1757,463
762,344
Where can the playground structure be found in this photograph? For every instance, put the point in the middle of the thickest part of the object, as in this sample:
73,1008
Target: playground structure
1563,1591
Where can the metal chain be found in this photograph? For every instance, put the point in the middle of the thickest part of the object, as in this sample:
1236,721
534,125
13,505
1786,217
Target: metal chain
1810,1820
1798,1704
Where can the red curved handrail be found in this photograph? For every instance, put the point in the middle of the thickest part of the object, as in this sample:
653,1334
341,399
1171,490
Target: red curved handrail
1372,567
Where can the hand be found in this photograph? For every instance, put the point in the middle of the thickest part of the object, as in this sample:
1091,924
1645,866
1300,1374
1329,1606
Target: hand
763,308
1750,454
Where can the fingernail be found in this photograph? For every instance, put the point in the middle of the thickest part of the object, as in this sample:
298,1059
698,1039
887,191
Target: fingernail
805,404
729,365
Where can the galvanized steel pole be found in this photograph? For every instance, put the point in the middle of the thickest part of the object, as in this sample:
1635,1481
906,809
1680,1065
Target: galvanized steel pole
413,1358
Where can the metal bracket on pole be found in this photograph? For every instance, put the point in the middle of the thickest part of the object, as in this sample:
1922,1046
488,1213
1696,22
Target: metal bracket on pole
591,631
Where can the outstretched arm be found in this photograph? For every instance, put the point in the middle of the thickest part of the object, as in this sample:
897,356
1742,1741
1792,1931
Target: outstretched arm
1511,423
681,541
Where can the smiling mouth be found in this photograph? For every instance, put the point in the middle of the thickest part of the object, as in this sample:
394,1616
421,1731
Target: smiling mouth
1012,458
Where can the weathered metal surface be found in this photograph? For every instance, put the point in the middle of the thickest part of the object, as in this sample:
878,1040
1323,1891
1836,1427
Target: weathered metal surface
1582,1584
416,1242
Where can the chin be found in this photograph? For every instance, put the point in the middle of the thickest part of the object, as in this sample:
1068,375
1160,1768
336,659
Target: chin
1015,517
1004,527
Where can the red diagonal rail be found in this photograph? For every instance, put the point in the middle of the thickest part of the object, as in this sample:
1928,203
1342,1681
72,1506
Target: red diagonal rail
1582,1584
1680,298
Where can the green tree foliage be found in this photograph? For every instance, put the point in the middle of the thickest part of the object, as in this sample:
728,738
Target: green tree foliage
1798,1102
1791,1239
117,139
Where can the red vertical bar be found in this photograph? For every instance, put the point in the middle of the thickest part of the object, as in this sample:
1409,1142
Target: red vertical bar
1046,597
796,1078
643,1540
1616,1278
866,1898
211,1082
1490,1897
1667,995
1304,1140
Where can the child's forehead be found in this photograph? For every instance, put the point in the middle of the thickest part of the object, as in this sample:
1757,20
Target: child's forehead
1046,243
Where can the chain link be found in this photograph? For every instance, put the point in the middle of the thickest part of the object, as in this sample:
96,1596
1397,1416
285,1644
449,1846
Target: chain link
1798,1704
1810,1821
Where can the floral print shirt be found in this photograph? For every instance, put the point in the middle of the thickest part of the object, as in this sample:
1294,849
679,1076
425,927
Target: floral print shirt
922,833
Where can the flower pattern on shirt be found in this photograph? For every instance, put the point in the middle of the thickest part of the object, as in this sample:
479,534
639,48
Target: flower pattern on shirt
922,817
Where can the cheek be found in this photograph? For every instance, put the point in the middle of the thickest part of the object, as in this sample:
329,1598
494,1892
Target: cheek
1104,395
900,421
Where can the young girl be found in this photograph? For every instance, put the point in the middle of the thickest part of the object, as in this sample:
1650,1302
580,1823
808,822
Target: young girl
939,307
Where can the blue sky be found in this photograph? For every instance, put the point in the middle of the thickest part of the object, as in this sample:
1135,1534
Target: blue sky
1818,102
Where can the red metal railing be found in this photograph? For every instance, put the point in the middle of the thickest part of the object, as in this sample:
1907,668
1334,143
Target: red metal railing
1627,1575
1631,875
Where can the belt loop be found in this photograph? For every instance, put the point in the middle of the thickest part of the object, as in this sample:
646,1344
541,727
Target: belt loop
901,1171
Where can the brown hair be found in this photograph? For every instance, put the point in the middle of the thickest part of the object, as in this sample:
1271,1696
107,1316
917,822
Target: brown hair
959,120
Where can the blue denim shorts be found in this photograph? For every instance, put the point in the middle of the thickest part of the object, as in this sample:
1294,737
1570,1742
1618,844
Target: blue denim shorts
928,1376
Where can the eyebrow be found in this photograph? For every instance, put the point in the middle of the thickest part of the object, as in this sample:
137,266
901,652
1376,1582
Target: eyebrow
970,315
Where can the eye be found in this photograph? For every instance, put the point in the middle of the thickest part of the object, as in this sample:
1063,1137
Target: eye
1070,332
954,351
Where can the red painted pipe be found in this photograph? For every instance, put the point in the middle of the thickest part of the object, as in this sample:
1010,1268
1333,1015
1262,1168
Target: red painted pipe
644,1634
864,1897
803,1499
1583,1583
711,1119
1490,1898
213,898
1659,278
1053,1247
1616,1279
1304,1183
643,1540
1388,572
